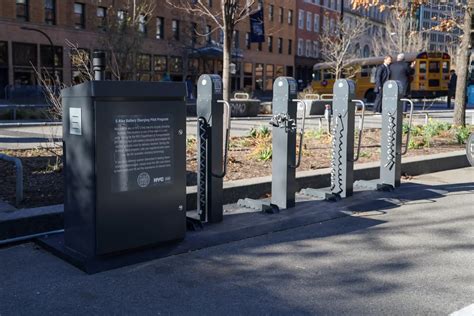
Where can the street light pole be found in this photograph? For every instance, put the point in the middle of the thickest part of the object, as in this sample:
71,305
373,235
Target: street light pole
26,28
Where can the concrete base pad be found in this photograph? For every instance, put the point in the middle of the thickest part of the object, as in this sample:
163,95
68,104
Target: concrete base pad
239,223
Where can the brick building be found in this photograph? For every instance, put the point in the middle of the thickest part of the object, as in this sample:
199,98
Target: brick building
314,18
169,44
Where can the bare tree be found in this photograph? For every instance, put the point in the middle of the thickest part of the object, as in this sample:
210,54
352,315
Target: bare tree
337,45
401,34
125,31
225,18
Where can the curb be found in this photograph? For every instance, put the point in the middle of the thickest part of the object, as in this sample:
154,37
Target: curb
43,219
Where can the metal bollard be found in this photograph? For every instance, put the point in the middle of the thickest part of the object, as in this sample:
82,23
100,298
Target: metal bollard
342,162
284,162
211,164
391,143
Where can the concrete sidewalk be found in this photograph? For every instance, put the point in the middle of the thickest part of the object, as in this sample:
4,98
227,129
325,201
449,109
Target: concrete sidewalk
411,254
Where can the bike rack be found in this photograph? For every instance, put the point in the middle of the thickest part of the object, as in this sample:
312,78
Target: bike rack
342,162
391,142
284,132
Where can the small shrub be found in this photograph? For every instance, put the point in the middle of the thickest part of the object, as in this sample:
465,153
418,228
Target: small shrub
462,134
416,143
265,153
416,130
260,132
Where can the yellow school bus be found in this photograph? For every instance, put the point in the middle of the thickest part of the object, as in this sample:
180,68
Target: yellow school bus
429,80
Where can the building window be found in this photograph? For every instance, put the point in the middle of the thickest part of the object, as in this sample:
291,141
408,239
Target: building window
22,12
47,58
24,55
79,15
280,45
316,23
142,22
175,29
160,28
315,49
121,14
3,54
221,36
270,12
280,15
247,40
248,76
144,67
325,24
50,12
101,18
300,47
301,19
176,65
236,39
270,44
309,21
309,48
290,47
290,17
269,73
160,63
208,34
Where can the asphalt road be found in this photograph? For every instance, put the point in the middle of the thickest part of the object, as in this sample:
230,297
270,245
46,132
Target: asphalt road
415,259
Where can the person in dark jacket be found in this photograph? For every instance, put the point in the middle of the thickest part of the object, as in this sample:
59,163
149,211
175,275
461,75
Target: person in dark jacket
452,87
401,71
382,74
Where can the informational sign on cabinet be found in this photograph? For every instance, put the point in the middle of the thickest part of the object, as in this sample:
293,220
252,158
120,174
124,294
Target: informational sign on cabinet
143,152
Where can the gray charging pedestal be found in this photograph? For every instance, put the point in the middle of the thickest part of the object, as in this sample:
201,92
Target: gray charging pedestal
342,162
125,172
391,142
284,149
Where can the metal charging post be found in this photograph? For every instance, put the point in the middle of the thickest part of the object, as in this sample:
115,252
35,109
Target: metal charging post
342,163
211,163
391,142
284,164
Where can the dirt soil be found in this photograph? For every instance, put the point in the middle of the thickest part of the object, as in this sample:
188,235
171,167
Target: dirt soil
249,157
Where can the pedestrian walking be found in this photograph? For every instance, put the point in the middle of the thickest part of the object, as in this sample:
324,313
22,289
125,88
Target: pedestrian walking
452,87
401,72
382,74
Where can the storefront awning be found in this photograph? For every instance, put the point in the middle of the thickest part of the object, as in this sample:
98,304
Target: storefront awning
213,52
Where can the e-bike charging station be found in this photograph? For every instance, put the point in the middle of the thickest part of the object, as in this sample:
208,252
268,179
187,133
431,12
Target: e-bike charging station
342,162
284,161
212,161
391,139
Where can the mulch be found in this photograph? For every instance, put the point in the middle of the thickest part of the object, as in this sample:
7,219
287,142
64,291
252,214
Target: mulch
43,177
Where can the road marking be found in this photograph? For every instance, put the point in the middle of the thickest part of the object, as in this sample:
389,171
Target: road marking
466,311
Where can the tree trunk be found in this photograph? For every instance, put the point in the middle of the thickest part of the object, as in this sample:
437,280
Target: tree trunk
226,64
462,61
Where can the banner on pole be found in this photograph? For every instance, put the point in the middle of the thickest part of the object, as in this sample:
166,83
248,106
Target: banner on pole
257,29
